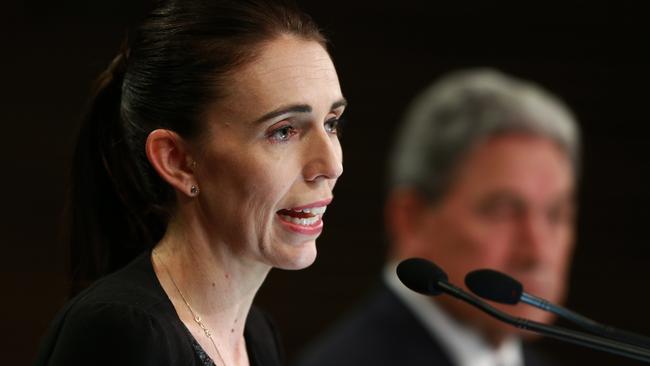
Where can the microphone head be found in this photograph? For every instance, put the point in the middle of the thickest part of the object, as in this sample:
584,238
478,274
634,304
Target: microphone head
421,275
493,285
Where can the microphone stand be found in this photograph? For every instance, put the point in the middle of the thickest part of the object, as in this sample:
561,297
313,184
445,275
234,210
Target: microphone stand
591,325
496,286
587,340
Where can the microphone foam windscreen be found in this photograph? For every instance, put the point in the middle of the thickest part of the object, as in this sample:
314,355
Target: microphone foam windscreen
421,275
493,285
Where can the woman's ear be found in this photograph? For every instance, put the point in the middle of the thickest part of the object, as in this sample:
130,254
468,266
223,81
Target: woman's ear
169,155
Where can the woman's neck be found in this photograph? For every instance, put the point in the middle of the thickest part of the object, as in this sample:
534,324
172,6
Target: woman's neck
205,278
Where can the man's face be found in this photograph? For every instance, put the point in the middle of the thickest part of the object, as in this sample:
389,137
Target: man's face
509,208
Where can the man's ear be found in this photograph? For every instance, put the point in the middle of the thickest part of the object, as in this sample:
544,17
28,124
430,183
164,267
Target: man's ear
403,215
169,155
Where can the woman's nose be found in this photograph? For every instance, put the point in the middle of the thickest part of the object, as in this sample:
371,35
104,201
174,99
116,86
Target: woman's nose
324,157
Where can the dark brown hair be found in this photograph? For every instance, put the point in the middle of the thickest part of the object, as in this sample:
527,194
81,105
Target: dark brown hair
172,65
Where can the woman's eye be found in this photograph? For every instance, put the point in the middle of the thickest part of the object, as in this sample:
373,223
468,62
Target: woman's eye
282,134
332,125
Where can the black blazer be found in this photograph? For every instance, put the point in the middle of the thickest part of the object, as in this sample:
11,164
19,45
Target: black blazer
384,332
127,319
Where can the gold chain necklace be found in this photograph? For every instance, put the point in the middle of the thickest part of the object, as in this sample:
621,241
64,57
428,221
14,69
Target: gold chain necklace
195,316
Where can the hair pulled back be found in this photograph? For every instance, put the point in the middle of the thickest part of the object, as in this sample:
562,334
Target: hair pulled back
172,65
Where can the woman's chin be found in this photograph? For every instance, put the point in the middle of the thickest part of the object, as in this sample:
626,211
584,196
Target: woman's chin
297,257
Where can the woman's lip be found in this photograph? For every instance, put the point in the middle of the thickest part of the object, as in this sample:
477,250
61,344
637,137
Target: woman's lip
313,229
320,203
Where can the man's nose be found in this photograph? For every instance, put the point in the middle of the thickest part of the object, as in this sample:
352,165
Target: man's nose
532,244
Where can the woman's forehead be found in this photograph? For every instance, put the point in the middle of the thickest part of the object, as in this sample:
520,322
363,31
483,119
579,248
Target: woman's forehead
288,70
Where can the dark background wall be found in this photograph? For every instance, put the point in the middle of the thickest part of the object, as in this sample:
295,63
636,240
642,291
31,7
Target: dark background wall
588,52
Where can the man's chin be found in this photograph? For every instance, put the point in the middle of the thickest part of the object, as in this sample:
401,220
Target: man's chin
525,312
496,331
534,314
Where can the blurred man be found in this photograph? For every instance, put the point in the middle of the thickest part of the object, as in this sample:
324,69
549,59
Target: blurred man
482,176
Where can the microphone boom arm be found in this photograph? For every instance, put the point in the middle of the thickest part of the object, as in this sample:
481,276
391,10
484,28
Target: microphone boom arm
591,325
563,334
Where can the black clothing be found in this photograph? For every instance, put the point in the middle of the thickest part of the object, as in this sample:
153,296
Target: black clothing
385,332
127,319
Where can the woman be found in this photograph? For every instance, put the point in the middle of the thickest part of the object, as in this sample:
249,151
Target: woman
211,142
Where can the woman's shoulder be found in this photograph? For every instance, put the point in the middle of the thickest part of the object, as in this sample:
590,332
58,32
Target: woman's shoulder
110,334
135,285
121,319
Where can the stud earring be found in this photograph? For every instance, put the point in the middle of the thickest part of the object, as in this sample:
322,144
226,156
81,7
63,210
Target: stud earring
194,190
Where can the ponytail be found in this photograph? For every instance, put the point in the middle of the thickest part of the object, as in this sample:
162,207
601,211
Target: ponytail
108,225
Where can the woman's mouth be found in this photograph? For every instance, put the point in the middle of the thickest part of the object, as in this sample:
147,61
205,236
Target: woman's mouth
306,221
305,217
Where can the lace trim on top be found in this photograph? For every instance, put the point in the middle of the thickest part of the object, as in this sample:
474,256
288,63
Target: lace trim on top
198,350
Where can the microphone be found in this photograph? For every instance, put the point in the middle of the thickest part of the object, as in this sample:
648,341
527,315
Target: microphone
424,277
421,276
499,287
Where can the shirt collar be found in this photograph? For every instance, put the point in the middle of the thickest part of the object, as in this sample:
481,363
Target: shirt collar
464,345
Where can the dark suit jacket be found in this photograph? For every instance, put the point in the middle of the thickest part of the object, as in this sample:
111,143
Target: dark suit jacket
384,332
127,319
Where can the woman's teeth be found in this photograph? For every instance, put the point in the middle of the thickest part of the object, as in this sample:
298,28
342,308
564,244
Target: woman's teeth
301,221
305,216
312,210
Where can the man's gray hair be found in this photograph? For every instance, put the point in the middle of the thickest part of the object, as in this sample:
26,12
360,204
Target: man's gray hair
467,107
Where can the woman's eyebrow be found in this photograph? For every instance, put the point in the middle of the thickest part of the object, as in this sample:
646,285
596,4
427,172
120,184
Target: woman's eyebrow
295,108
339,103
